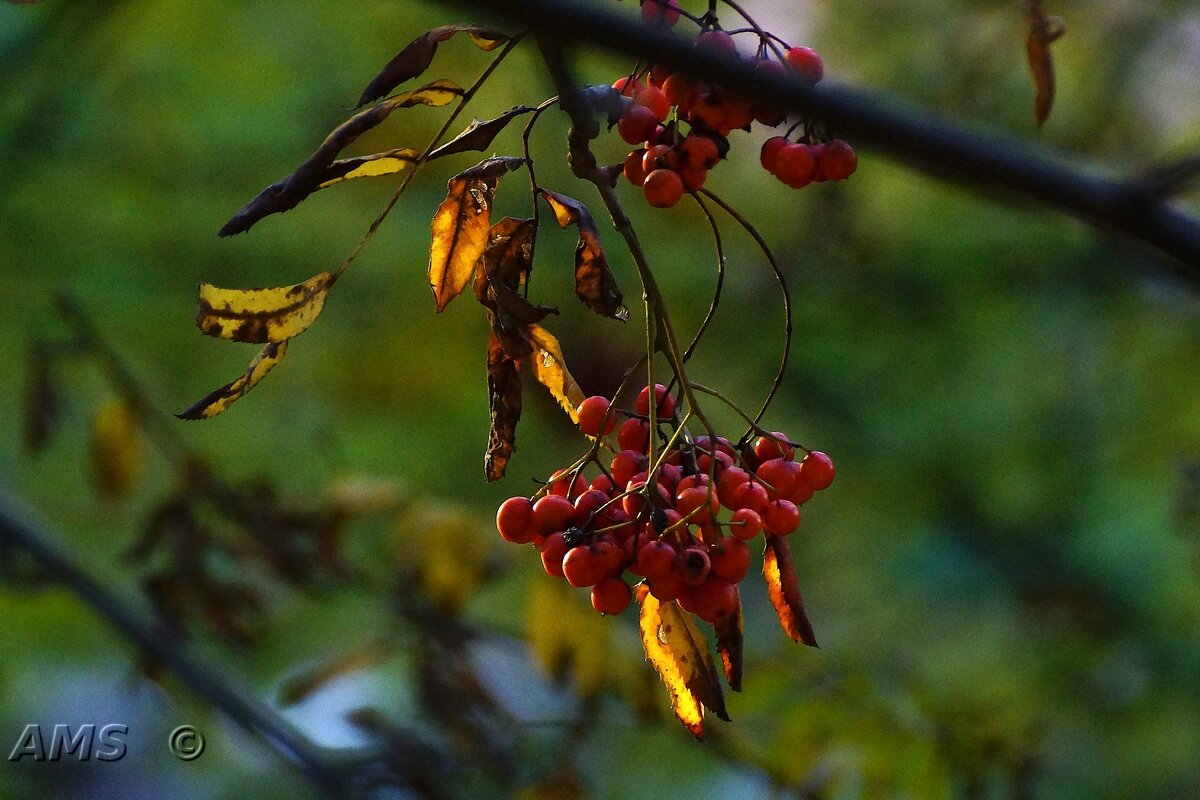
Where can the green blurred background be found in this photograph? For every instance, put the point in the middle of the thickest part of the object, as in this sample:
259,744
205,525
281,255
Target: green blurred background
1003,578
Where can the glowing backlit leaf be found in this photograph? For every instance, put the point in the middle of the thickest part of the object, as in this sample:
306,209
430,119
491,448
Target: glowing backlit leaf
461,225
321,169
729,646
479,134
416,57
116,452
217,401
595,283
677,650
782,588
258,316
372,166
550,369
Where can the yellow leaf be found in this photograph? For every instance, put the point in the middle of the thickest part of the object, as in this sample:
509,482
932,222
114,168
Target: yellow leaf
116,453
217,401
550,369
567,637
259,316
677,650
449,552
372,166
784,591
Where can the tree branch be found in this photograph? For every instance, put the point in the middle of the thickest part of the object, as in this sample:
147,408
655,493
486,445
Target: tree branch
917,138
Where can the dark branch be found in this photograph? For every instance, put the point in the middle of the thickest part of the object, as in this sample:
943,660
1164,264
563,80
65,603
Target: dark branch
917,138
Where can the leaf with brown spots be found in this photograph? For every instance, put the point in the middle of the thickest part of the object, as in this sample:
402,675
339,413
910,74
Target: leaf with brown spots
784,591
372,166
504,402
550,368
479,134
461,225
729,646
1043,30
321,169
595,284
217,401
416,57
258,316
679,653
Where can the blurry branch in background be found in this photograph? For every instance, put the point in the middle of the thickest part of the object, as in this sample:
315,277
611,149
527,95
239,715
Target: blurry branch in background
985,161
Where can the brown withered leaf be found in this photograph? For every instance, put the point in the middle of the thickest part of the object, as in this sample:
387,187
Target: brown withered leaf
595,284
1043,30
416,57
319,168
461,225
507,258
258,316
43,406
729,646
550,368
116,452
479,134
218,400
678,652
504,402
780,575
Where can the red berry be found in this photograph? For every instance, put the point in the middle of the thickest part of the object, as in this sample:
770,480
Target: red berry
602,483
663,188
660,156
838,160
514,520
611,596
593,415
552,513
715,600
769,155
766,447
587,504
675,87
730,558
668,587
630,87
795,165
634,435
660,12
633,167
782,517
654,99
694,564
656,559
719,41
637,123
669,476
583,566
553,551
806,63
751,495
728,481
701,151
664,402
779,475
817,470
572,488
625,465
801,493
610,554
770,115
692,177
695,498
745,524
659,75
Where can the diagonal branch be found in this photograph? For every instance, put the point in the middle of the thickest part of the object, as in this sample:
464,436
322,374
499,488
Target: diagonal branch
983,161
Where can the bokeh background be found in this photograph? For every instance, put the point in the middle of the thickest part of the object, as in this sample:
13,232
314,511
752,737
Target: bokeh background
1004,578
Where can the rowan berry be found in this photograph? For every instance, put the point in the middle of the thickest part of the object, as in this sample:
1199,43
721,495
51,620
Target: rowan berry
718,41
838,160
730,558
694,564
625,465
633,170
634,434
806,63
713,601
773,446
629,87
817,470
637,123
514,520
552,513
664,402
660,12
653,98
795,165
782,517
584,566
745,523
656,559
611,596
554,549
594,417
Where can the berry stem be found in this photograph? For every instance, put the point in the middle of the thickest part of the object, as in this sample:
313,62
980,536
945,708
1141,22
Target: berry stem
754,426
762,34
534,188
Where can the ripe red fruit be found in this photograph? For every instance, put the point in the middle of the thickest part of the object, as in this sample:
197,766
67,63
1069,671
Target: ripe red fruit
745,524
663,188
602,483
660,12
719,41
795,165
838,160
630,87
660,156
768,156
802,492
694,564
669,476
728,481
634,435
656,559
806,63
610,554
552,513
593,415
692,177
668,587
664,402
780,475
659,75
637,123
770,115
588,503
675,87
751,495
583,566
611,596
766,448
701,151
625,465
633,170
817,470
514,520
554,549
715,600
782,517
730,558
653,98
563,486
709,112
695,498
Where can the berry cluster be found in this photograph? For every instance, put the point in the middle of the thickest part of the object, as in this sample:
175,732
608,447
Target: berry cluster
661,519
670,162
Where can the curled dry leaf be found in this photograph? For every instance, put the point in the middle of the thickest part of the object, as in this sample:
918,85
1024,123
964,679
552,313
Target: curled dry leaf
784,591
504,402
375,165
321,169
1043,30
550,368
595,283
729,646
258,316
479,134
678,652
461,225
416,57
116,452
217,401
